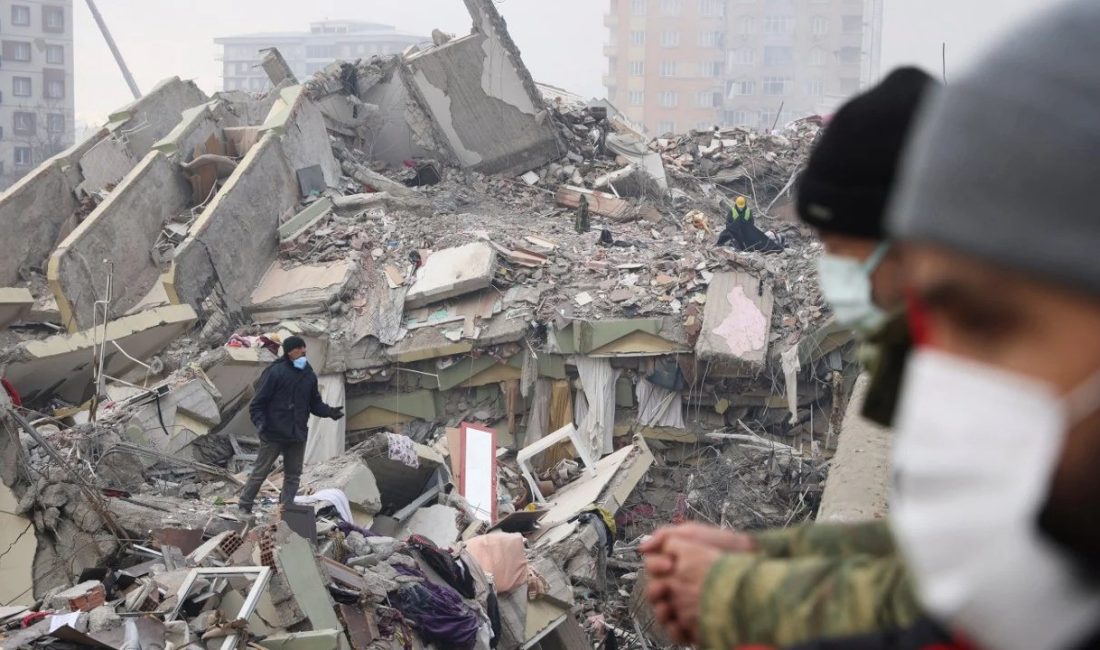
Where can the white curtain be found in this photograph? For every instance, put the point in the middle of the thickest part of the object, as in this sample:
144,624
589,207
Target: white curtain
327,437
598,382
659,407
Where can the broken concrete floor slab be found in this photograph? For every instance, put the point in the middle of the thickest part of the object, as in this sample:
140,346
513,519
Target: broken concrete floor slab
15,305
62,364
286,293
737,325
452,272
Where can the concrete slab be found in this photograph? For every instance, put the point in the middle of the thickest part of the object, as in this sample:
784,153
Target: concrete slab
438,523
157,112
15,305
313,640
452,272
301,126
62,364
233,370
482,99
601,203
351,475
859,473
123,229
736,326
301,290
105,165
298,566
18,537
305,220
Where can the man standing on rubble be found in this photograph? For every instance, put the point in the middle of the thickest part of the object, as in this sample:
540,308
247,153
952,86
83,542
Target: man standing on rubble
839,580
287,396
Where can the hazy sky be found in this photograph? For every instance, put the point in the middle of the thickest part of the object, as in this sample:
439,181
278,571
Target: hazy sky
562,40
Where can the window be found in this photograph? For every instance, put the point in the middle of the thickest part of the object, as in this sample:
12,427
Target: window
55,89
707,99
21,86
670,39
321,52
776,55
668,68
21,15
24,123
711,39
55,54
775,85
778,24
739,87
23,157
637,97
637,7
666,127
745,25
818,57
670,99
637,68
851,24
53,19
739,117
848,55
671,7
767,119
819,25
55,123
849,85
17,51
712,8
815,87
710,69
637,38
742,56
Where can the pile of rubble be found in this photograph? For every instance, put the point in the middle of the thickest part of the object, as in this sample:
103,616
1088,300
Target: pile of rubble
518,301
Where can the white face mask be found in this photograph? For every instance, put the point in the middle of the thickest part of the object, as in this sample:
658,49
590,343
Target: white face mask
846,284
975,454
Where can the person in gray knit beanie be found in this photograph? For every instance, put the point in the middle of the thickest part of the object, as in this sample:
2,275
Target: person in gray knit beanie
998,431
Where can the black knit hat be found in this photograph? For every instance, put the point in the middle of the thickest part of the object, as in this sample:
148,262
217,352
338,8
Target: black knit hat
848,180
292,343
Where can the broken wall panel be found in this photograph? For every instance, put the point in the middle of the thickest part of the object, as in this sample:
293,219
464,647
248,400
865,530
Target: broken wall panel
482,98
123,230
156,113
736,325
233,243
452,272
15,305
40,207
300,124
62,364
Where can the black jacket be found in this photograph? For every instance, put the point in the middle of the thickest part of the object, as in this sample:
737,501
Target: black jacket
282,405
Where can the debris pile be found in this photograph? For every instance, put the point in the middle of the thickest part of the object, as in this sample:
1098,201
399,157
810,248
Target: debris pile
517,301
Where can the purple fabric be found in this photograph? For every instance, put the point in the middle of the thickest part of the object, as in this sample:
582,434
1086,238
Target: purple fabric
436,611
347,527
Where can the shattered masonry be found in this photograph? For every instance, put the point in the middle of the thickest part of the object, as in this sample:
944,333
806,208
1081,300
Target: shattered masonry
415,220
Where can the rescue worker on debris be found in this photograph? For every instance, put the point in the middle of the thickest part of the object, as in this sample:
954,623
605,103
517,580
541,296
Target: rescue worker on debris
287,396
741,229
820,580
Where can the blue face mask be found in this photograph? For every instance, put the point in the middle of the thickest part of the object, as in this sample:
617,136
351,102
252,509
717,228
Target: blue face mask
301,362
846,284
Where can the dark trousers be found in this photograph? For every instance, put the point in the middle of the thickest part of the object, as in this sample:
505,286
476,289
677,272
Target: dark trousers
293,453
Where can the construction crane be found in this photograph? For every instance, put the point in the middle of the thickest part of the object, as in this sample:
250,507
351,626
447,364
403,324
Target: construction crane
114,49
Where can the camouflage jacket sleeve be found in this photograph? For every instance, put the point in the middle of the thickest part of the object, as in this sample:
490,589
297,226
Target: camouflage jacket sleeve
831,540
757,599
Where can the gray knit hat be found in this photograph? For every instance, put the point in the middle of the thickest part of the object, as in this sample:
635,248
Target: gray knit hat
1005,164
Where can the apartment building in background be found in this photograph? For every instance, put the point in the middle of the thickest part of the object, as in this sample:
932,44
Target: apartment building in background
307,52
677,65
37,110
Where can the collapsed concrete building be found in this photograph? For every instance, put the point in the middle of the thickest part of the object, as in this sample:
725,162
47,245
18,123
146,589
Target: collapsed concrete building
525,396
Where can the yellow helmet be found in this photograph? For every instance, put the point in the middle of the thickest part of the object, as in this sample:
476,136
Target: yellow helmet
741,202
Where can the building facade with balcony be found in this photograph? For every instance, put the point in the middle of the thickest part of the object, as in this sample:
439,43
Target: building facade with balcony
307,52
676,65
37,109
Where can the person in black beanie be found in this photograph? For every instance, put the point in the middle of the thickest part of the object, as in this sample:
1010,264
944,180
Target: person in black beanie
287,396
843,195
820,584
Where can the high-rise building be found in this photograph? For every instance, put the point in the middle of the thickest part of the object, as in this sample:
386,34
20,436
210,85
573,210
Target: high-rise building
676,65
307,52
37,111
